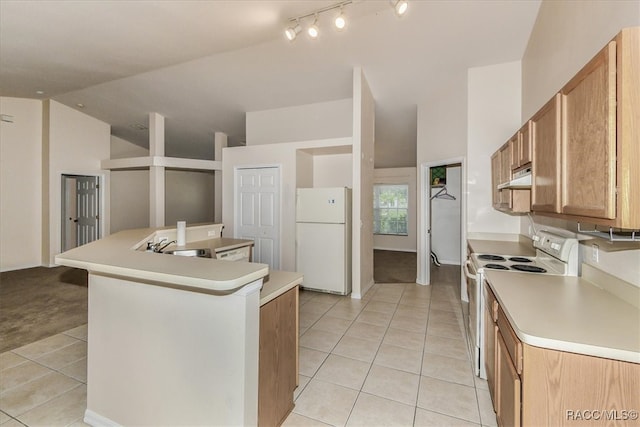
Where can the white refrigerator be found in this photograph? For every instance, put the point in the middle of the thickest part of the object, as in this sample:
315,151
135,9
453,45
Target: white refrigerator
323,239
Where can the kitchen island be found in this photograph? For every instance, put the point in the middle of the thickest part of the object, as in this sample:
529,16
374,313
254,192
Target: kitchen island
172,340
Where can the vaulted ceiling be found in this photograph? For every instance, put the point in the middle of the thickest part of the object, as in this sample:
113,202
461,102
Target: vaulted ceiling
204,64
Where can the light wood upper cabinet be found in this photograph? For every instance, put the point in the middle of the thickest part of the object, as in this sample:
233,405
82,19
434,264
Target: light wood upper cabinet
589,138
505,161
495,179
521,147
546,144
507,199
628,128
585,148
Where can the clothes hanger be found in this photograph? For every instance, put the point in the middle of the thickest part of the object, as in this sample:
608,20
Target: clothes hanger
445,196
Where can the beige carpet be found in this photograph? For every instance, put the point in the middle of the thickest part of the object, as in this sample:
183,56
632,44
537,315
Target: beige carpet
394,266
39,302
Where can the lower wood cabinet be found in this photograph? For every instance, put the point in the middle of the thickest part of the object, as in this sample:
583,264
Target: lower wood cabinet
507,386
533,386
278,358
490,336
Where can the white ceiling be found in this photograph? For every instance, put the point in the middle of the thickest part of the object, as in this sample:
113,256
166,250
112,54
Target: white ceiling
204,64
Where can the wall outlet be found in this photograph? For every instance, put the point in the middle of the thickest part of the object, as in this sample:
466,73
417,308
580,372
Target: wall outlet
595,253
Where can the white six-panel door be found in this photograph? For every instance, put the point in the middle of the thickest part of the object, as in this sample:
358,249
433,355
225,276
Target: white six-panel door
258,212
80,210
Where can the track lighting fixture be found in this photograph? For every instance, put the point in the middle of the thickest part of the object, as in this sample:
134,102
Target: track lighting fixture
291,32
313,30
400,6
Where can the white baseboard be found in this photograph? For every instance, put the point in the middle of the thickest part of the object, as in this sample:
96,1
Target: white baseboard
449,262
97,420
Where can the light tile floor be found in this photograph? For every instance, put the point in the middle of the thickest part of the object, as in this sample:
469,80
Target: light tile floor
396,357
45,383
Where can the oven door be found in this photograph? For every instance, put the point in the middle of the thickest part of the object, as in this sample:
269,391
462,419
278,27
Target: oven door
473,325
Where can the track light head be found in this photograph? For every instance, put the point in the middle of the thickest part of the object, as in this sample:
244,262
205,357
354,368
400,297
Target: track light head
313,30
292,32
400,7
340,21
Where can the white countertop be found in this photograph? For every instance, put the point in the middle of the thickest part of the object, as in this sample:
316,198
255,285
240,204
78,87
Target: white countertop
568,314
116,255
501,247
277,283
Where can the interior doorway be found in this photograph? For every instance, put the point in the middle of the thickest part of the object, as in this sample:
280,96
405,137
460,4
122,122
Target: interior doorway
80,210
442,226
257,207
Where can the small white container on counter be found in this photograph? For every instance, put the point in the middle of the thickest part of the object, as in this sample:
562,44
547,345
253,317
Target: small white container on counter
181,233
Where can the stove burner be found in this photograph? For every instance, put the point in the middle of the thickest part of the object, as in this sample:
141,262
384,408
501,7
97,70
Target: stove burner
492,257
528,268
519,259
496,266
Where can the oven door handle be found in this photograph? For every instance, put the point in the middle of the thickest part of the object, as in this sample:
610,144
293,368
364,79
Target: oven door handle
467,263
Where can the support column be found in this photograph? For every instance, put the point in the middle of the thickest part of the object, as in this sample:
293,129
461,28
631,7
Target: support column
156,173
220,143
156,196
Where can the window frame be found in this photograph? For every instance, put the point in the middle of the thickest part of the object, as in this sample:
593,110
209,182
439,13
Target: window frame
401,221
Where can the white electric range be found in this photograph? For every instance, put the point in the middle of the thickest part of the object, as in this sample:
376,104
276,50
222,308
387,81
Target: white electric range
555,255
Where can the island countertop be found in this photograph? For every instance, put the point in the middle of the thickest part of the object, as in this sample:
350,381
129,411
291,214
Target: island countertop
117,255
568,314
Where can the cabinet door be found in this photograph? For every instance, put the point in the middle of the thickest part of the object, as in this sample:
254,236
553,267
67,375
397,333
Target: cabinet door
524,152
278,374
505,175
514,147
490,331
508,387
495,178
546,142
589,138
505,161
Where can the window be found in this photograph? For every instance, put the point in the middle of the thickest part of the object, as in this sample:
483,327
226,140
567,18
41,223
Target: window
390,208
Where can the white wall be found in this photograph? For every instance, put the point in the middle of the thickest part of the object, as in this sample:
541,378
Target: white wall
304,169
324,120
333,170
129,189
399,176
565,36
21,184
493,117
364,156
445,219
284,155
188,196
442,135
76,144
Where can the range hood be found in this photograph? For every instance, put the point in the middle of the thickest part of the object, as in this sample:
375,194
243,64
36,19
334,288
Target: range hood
521,179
